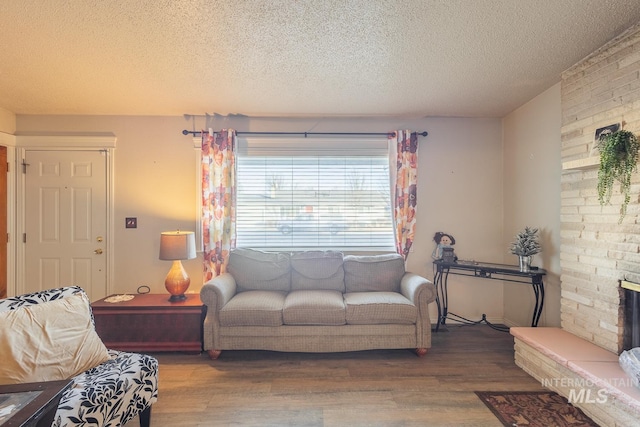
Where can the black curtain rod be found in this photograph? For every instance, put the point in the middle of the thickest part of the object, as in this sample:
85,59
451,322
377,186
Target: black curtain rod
306,134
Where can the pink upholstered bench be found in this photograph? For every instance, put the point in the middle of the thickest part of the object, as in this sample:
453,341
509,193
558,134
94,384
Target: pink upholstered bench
587,360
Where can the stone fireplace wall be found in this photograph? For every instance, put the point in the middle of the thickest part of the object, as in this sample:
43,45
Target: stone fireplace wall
596,251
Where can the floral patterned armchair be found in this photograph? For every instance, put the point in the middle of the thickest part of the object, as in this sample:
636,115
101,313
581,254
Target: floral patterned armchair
108,395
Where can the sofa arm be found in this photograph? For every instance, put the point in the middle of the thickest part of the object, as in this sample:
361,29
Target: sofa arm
217,292
415,287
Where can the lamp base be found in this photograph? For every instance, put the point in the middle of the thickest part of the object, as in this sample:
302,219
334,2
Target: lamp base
178,298
177,282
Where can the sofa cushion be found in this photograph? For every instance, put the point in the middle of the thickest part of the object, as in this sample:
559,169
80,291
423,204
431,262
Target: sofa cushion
373,273
260,271
253,308
317,270
314,307
49,341
376,308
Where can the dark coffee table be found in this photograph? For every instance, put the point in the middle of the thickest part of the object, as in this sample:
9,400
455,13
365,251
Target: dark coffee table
30,404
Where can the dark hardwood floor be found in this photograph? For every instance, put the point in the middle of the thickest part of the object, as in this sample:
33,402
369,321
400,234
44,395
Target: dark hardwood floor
368,388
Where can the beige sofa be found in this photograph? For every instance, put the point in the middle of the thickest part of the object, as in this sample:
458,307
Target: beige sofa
316,301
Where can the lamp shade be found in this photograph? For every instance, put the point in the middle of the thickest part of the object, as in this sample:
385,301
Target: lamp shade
176,245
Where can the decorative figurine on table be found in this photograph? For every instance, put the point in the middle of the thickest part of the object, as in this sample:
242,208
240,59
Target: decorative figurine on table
443,249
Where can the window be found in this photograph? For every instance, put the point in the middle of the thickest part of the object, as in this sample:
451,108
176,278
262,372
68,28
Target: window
305,194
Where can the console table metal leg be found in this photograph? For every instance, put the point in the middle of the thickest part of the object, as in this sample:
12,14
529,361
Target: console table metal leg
445,297
538,290
442,300
437,281
439,312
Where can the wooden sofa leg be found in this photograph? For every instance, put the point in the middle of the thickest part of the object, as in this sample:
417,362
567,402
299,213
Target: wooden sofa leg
145,417
421,351
214,354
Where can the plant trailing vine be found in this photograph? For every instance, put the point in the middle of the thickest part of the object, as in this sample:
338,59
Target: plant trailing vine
618,160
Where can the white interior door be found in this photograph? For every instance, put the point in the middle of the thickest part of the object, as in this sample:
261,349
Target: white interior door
66,220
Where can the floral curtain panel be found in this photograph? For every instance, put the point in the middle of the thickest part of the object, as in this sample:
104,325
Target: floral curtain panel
218,199
404,188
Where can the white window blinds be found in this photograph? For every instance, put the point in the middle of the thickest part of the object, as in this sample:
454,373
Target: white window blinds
295,194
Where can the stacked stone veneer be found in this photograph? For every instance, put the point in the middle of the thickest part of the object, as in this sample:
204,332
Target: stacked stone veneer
596,251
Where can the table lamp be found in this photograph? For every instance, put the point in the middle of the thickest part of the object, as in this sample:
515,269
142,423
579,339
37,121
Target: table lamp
176,246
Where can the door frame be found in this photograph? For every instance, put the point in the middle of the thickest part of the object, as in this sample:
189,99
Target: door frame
93,142
9,141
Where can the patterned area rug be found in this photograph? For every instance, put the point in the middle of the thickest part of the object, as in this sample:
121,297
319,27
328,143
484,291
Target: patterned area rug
534,409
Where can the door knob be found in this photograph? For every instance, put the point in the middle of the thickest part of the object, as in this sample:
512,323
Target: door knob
98,251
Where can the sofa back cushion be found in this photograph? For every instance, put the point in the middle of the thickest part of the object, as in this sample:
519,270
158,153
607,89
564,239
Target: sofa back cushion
373,273
321,270
255,270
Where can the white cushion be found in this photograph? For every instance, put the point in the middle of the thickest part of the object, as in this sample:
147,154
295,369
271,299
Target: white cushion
49,341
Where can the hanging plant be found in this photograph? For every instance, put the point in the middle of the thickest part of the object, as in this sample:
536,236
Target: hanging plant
618,160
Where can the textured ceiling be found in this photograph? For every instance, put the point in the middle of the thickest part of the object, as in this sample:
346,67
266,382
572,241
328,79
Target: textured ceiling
408,58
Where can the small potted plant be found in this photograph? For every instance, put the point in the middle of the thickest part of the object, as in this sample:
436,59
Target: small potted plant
618,160
525,245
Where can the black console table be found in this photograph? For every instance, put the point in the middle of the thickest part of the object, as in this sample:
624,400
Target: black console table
508,273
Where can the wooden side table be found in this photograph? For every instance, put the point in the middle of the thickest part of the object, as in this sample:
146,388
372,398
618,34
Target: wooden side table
149,322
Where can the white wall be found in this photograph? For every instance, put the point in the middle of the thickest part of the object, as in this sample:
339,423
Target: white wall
461,194
532,170
154,181
7,121
460,190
